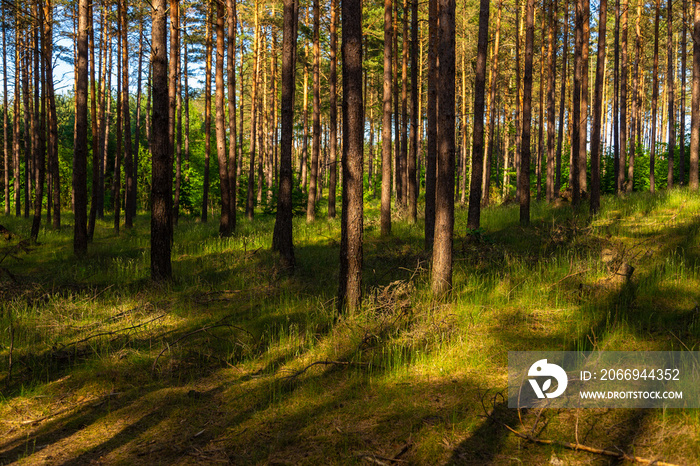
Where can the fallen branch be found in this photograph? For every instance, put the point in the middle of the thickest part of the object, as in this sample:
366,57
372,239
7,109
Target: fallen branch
326,363
112,332
580,447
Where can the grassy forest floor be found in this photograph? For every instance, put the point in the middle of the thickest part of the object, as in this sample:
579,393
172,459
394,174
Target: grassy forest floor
218,365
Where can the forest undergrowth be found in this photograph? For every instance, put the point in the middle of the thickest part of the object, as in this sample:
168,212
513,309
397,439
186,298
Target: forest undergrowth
237,361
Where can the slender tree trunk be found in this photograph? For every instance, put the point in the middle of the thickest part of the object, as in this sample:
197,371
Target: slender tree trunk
250,204
137,135
695,102
231,78
105,124
551,115
670,83
80,238
161,165
282,240
116,180
95,140
186,91
431,110
624,134
413,154
173,99
316,125
637,111
52,117
441,280
404,107
527,114
5,140
332,181
15,125
129,204
40,119
562,100
350,288
474,216
576,123
583,141
207,116
225,219
598,109
654,97
491,105
303,168
616,100
681,117
385,221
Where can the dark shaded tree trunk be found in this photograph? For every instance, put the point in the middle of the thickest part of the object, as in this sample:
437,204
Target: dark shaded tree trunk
598,109
474,216
161,164
137,136
282,239
431,110
441,279
576,123
527,114
40,120
95,139
350,288
80,238
15,126
207,116
385,220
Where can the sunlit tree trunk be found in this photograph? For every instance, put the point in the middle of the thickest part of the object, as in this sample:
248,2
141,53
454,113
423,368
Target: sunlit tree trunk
250,204
695,101
225,219
5,140
413,154
670,83
598,109
491,105
316,125
231,78
441,279
562,100
80,151
385,221
654,97
551,84
130,203
161,165
332,85
207,116
681,116
350,288
637,111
